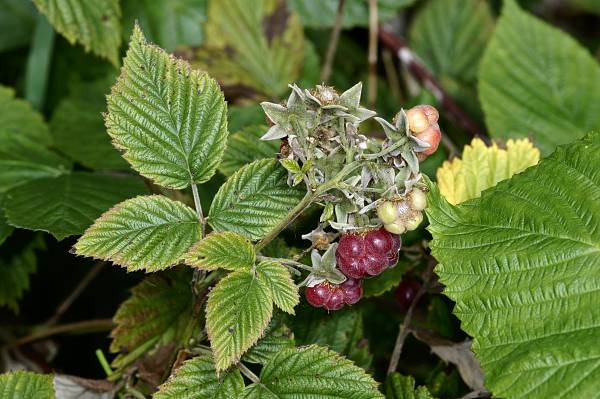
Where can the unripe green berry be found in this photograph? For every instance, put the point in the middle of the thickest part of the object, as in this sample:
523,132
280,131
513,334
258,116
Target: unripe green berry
387,212
395,228
418,199
417,120
414,222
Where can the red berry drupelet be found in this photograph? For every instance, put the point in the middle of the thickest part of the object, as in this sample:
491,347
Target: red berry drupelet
334,296
406,293
368,254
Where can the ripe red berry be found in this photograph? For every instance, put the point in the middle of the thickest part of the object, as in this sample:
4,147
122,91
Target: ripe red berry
352,289
432,136
406,292
334,296
318,294
367,254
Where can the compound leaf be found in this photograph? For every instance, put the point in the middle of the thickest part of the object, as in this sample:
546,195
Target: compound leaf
93,24
285,292
536,80
313,372
156,313
253,200
238,311
169,120
146,232
482,167
226,250
522,263
26,385
68,204
197,378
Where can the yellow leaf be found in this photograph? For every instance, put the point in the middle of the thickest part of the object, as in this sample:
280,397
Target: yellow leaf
482,167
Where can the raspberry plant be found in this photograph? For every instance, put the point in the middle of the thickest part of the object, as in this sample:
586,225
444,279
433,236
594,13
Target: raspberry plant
282,239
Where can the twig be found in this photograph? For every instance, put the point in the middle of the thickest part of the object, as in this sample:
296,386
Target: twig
333,42
372,58
248,373
66,304
417,69
78,326
405,325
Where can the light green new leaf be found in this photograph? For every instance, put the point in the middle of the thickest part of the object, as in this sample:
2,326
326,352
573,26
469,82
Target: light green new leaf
144,233
238,311
253,200
225,250
26,385
197,379
14,274
157,312
536,81
522,263
169,120
450,37
398,386
312,372
68,204
285,292
93,24
19,119
23,158
252,46
78,127
277,337
245,147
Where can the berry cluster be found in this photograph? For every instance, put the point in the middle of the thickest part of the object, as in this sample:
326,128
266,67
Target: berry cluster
405,214
422,121
334,296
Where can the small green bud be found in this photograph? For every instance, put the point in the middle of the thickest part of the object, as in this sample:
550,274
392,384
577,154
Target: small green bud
387,212
395,228
414,222
418,199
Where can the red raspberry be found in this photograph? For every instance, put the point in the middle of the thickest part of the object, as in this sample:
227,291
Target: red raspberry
406,292
334,296
367,254
432,136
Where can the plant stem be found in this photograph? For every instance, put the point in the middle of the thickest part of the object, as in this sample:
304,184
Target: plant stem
387,150
248,373
286,262
76,327
198,206
333,42
291,216
372,58
405,325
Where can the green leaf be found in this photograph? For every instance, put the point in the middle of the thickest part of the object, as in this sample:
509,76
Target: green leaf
253,200
148,232
169,24
19,119
17,20
285,292
481,167
224,250
23,159
245,147
522,96
398,386
252,46
238,311
15,272
26,385
341,331
78,128
5,229
68,204
197,378
322,13
312,372
290,165
277,337
169,120
521,262
157,312
450,38
93,24
387,280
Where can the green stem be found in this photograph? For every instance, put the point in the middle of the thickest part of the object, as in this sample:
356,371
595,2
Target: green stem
387,150
248,373
198,206
286,262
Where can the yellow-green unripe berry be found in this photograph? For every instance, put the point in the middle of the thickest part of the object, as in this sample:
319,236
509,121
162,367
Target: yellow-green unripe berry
387,212
395,228
418,199
417,120
414,222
